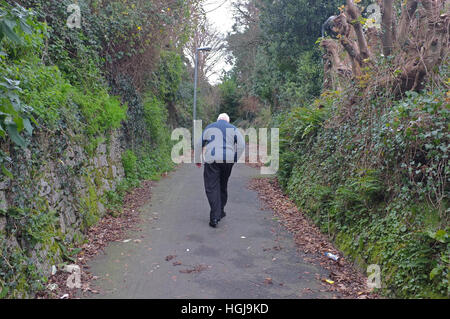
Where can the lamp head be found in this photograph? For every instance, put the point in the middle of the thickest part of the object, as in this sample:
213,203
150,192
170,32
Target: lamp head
207,49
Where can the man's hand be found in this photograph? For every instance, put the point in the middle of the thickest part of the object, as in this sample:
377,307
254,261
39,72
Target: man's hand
199,165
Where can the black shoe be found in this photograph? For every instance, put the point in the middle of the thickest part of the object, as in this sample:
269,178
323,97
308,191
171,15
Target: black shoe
213,223
223,215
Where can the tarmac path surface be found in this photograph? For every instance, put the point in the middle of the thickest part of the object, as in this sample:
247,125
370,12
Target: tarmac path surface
176,254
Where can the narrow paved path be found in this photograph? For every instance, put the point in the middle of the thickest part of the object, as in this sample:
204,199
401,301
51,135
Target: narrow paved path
231,261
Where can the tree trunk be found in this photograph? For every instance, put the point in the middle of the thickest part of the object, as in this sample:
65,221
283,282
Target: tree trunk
405,20
355,15
418,43
386,25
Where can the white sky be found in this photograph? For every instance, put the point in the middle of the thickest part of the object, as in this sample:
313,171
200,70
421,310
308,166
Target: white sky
220,14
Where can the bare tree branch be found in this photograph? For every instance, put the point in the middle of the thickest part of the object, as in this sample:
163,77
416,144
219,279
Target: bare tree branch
206,35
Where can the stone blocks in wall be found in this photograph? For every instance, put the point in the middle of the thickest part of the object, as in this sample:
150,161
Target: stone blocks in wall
64,179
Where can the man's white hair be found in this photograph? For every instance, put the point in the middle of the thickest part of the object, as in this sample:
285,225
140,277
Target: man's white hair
224,116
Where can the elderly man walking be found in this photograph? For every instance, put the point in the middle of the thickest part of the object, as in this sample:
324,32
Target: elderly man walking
224,146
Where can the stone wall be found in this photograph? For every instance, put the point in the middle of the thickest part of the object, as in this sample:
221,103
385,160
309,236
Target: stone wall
60,180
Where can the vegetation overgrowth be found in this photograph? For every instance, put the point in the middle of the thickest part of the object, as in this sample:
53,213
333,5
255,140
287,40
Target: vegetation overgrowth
79,75
363,128
362,111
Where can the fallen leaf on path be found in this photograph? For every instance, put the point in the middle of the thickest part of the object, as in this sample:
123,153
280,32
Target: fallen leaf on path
310,240
196,269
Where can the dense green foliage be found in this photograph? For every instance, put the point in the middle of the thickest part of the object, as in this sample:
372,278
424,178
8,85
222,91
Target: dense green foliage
113,34
80,86
291,27
16,35
376,184
370,170
277,65
230,98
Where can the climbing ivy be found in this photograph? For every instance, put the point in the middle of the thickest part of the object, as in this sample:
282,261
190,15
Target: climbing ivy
376,181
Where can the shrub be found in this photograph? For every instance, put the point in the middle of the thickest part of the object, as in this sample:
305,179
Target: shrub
375,179
129,162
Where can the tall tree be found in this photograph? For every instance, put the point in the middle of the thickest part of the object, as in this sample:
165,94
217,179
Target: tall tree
421,45
206,35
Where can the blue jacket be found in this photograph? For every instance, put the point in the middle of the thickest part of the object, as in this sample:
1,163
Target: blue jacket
224,142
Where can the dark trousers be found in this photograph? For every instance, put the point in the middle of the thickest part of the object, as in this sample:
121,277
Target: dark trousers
215,176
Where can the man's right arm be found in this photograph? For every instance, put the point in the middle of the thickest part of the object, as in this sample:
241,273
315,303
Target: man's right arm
198,150
198,147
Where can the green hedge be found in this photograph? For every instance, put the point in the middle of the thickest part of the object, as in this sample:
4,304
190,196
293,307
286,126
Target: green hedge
376,182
